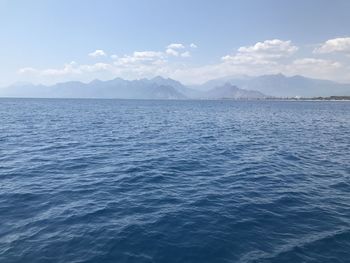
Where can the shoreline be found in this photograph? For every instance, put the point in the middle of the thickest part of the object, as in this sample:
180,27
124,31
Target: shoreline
193,99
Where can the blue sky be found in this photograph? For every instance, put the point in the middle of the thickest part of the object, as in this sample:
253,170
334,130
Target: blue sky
47,41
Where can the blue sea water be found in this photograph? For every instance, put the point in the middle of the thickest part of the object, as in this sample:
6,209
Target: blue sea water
174,181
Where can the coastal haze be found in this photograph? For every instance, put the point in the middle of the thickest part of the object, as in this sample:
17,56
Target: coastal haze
262,87
174,131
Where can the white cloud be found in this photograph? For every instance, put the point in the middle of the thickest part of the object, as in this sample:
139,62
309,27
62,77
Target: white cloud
27,70
95,67
138,64
176,46
193,45
316,62
240,59
70,68
185,54
274,48
97,53
134,65
334,45
267,57
172,52
262,52
316,68
139,56
200,74
147,54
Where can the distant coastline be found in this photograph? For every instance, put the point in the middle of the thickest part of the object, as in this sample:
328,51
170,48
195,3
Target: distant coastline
329,98
318,99
270,87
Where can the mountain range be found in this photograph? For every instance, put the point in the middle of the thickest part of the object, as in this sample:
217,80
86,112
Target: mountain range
241,87
282,86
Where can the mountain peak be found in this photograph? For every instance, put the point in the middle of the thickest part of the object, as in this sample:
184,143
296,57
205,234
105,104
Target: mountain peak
95,81
164,80
229,85
157,78
230,91
280,75
277,85
275,76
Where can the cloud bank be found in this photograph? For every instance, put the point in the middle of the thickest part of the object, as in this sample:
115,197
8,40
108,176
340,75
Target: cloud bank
177,61
98,53
340,45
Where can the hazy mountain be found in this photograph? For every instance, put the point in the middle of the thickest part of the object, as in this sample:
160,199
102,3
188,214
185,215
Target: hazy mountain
235,80
187,91
283,86
25,90
157,88
239,87
229,91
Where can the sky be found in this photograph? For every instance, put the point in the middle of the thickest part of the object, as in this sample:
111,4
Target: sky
50,41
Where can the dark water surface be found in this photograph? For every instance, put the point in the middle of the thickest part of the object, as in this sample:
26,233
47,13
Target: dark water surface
174,181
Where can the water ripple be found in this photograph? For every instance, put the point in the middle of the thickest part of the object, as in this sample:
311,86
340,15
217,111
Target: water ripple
174,181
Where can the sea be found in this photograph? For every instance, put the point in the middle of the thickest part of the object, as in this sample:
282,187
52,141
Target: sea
85,180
